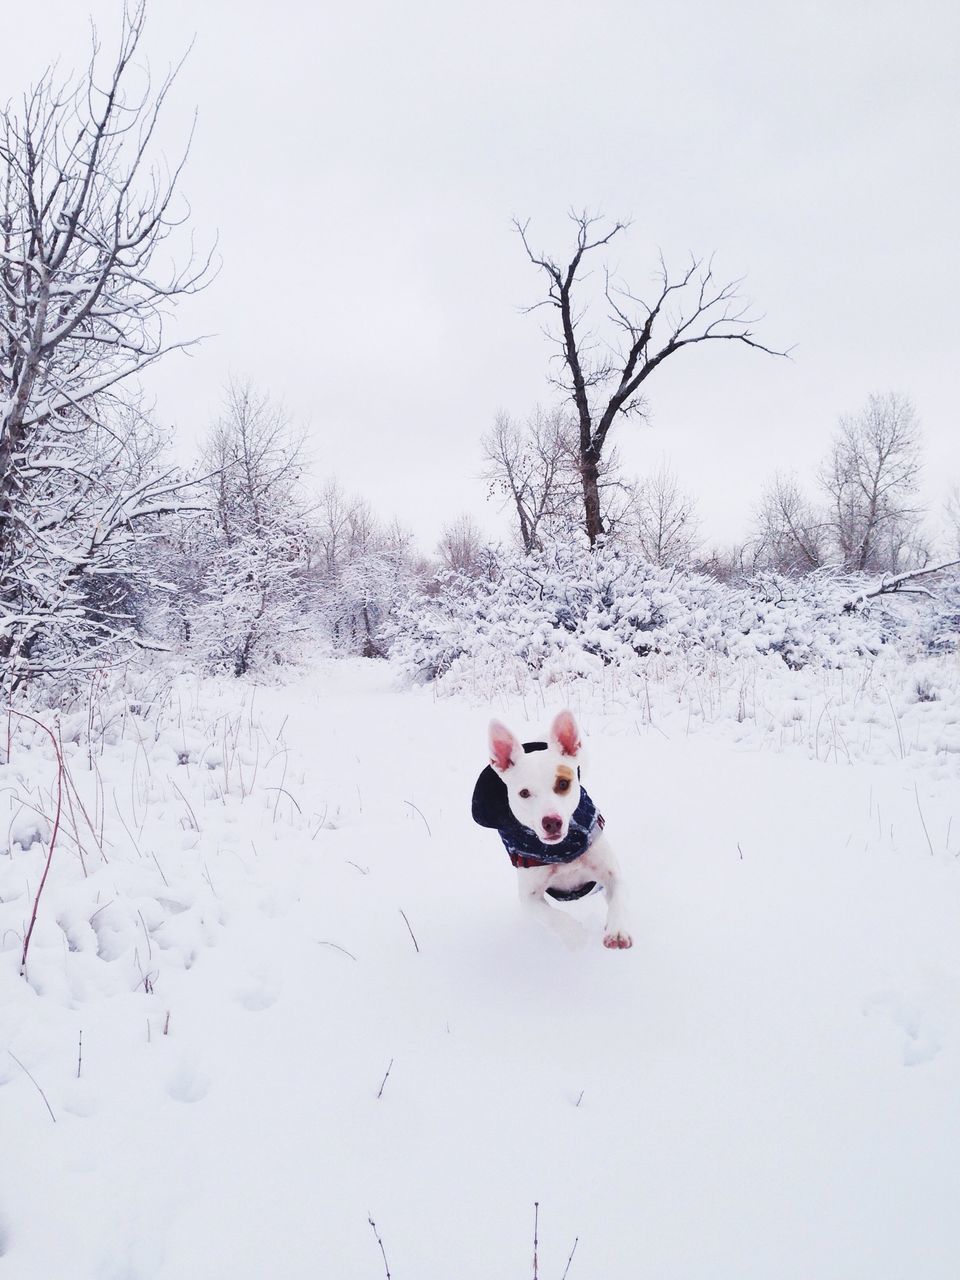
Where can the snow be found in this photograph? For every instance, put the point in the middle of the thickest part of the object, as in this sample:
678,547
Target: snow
764,1086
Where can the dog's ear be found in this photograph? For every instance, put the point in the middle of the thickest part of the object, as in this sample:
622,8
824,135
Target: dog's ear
505,747
564,734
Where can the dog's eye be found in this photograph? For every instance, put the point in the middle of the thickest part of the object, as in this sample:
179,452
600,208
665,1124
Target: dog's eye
562,785
524,794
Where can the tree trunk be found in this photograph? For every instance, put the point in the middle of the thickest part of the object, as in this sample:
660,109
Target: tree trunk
589,473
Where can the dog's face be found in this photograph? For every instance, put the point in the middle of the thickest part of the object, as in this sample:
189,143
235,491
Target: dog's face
542,786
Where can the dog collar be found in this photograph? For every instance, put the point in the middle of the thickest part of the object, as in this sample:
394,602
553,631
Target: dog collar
526,849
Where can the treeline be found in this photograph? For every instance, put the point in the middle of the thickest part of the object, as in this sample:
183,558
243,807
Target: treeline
862,512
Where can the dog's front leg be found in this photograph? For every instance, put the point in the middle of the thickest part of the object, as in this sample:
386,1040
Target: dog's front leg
616,933
532,883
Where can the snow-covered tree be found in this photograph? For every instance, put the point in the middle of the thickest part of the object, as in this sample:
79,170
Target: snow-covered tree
86,285
358,604
82,569
870,480
868,518
792,535
242,592
331,531
461,546
359,570
662,519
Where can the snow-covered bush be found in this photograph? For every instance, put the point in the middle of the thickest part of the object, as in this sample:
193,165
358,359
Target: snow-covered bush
566,610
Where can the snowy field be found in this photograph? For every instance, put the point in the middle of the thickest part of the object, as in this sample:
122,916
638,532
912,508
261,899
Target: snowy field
280,984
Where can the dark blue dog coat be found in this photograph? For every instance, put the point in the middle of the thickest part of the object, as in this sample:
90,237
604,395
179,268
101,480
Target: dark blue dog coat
491,808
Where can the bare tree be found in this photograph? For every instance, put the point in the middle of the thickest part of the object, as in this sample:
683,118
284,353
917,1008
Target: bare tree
527,465
870,480
255,458
332,528
461,547
729,564
792,536
604,380
534,466
663,519
364,533
84,294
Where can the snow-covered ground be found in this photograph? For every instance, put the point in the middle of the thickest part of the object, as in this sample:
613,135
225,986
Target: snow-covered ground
279,983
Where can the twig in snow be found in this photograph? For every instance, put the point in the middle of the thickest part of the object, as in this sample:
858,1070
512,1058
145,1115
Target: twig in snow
386,1265
536,1242
282,791
580,1099
922,820
896,724
79,1054
53,839
425,822
130,836
146,934
337,947
160,869
193,816
407,923
103,906
576,1241
384,1080
35,1085
73,816
322,823
740,851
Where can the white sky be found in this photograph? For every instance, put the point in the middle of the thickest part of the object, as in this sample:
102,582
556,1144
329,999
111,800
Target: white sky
362,164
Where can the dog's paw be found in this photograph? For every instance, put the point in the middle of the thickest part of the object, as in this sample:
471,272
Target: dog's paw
617,941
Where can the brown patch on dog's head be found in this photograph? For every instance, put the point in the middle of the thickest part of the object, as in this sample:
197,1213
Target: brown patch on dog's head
563,780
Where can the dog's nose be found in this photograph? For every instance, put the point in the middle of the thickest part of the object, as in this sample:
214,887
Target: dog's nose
552,824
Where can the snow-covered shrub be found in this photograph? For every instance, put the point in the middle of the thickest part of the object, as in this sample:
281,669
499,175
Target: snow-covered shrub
566,611
943,634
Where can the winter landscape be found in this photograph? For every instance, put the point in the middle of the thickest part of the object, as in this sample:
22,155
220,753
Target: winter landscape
268,1004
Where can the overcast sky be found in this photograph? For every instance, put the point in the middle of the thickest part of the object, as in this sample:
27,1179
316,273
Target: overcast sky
362,163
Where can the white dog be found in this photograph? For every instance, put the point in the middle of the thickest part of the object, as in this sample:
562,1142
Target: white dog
551,829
